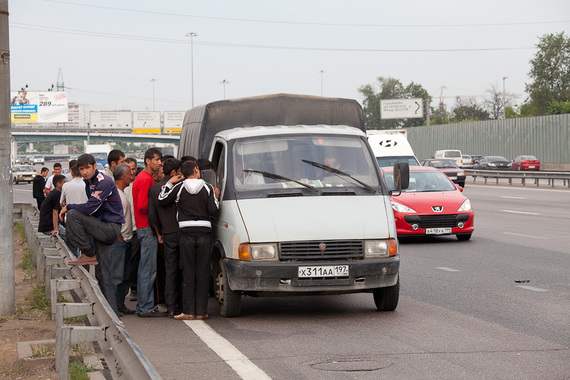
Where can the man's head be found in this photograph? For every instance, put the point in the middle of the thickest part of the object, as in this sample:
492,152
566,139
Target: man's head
44,172
190,169
87,166
187,158
122,175
72,163
115,157
152,160
158,175
171,166
205,164
58,181
332,162
132,162
56,168
75,173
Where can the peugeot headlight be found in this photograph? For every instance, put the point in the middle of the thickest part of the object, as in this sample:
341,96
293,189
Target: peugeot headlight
258,252
466,206
380,248
401,208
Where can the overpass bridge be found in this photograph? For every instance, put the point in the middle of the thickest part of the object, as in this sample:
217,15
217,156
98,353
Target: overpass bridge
97,137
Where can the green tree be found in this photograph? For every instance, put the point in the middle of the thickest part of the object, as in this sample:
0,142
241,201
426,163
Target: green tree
550,73
390,88
467,109
557,108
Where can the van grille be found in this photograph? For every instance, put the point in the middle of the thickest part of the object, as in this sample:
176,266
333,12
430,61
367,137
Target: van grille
311,250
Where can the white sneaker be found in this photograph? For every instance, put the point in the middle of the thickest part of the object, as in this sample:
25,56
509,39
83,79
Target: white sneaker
161,308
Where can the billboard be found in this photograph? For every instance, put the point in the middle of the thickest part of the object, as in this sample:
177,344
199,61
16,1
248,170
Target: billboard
401,108
39,107
173,121
146,122
110,120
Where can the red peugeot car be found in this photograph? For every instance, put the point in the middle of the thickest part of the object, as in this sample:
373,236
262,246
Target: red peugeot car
431,205
526,163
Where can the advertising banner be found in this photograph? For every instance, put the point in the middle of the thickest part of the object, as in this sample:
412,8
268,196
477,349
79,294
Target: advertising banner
115,120
39,107
173,121
146,122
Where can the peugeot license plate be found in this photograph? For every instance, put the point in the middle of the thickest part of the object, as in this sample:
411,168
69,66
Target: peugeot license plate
438,231
323,271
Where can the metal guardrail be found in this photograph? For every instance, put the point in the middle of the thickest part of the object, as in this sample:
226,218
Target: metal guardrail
124,357
523,176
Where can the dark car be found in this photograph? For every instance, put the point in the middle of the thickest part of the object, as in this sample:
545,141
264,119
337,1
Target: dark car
493,163
449,167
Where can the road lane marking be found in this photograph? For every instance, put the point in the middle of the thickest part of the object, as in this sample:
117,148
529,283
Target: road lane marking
526,236
507,197
448,269
521,212
227,351
528,287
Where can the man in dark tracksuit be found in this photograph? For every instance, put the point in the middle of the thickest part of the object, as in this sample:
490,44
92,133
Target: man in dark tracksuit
197,203
163,219
38,187
99,220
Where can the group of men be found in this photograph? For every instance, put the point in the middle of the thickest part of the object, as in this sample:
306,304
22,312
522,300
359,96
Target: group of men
119,220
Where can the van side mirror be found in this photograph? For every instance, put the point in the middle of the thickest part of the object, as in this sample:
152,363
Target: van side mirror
401,176
210,177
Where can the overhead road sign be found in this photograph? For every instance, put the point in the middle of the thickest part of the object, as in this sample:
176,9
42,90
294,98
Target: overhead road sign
401,108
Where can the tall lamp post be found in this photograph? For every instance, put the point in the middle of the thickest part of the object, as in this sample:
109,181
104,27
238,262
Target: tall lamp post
224,82
192,35
153,80
504,98
322,72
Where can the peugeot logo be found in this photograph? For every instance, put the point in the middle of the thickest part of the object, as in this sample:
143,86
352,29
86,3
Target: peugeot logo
322,247
437,208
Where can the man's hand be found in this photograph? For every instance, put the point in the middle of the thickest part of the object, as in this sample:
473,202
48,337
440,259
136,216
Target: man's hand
176,178
62,213
217,193
54,232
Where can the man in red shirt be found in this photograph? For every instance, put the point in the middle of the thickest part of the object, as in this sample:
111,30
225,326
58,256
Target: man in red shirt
149,243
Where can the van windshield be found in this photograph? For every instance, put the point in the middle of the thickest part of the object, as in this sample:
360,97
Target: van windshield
322,162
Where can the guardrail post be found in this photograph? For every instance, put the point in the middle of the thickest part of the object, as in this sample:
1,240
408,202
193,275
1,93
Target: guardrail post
60,286
70,335
67,310
49,261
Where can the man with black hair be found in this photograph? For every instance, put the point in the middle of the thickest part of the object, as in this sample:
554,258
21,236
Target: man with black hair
99,219
38,187
49,212
187,158
114,158
197,203
49,182
163,219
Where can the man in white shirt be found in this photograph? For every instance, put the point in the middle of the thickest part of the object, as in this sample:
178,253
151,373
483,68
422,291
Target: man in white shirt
49,182
73,192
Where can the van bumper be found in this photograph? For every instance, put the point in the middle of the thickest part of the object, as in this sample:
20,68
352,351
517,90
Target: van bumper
282,277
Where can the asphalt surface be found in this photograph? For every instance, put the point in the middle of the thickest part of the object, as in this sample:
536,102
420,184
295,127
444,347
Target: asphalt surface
494,307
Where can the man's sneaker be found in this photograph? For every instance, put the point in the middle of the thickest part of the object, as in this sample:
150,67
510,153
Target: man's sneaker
84,260
133,295
152,314
161,308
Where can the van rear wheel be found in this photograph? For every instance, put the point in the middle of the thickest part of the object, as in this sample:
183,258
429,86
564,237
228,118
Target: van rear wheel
386,299
230,300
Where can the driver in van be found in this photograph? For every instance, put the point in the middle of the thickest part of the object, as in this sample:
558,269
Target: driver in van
245,178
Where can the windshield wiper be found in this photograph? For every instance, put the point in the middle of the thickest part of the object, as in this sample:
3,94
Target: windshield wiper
280,178
340,173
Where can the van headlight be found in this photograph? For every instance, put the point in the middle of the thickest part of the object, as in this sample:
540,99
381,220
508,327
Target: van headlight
466,206
380,248
258,252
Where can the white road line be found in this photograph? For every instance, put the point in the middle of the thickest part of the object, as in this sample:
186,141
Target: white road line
225,350
448,269
507,197
527,287
521,212
526,236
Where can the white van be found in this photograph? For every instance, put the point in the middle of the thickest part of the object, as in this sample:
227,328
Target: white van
390,148
450,154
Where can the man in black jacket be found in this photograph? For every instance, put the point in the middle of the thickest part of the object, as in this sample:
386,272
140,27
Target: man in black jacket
38,186
197,203
163,220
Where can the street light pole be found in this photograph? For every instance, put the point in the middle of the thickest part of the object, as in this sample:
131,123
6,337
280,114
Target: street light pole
224,82
504,97
153,80
322,72
192,35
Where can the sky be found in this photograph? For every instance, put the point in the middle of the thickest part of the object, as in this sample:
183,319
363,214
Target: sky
109,52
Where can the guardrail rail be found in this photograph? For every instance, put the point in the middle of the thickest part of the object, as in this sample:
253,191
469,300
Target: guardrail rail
521,176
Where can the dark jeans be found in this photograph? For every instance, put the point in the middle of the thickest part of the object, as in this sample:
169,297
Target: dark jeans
173,273
195,260
159,297
135,257
80,229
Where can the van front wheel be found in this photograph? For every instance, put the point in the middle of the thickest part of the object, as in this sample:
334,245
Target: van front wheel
230,301
386,299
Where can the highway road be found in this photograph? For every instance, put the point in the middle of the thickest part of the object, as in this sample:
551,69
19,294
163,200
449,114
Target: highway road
494,307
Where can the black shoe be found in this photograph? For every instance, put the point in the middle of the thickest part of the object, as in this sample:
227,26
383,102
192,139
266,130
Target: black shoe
152,314
126,310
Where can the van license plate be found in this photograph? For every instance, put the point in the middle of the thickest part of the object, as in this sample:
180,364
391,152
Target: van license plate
438,231
324,271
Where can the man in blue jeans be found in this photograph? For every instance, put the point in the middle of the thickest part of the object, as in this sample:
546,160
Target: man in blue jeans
99,220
